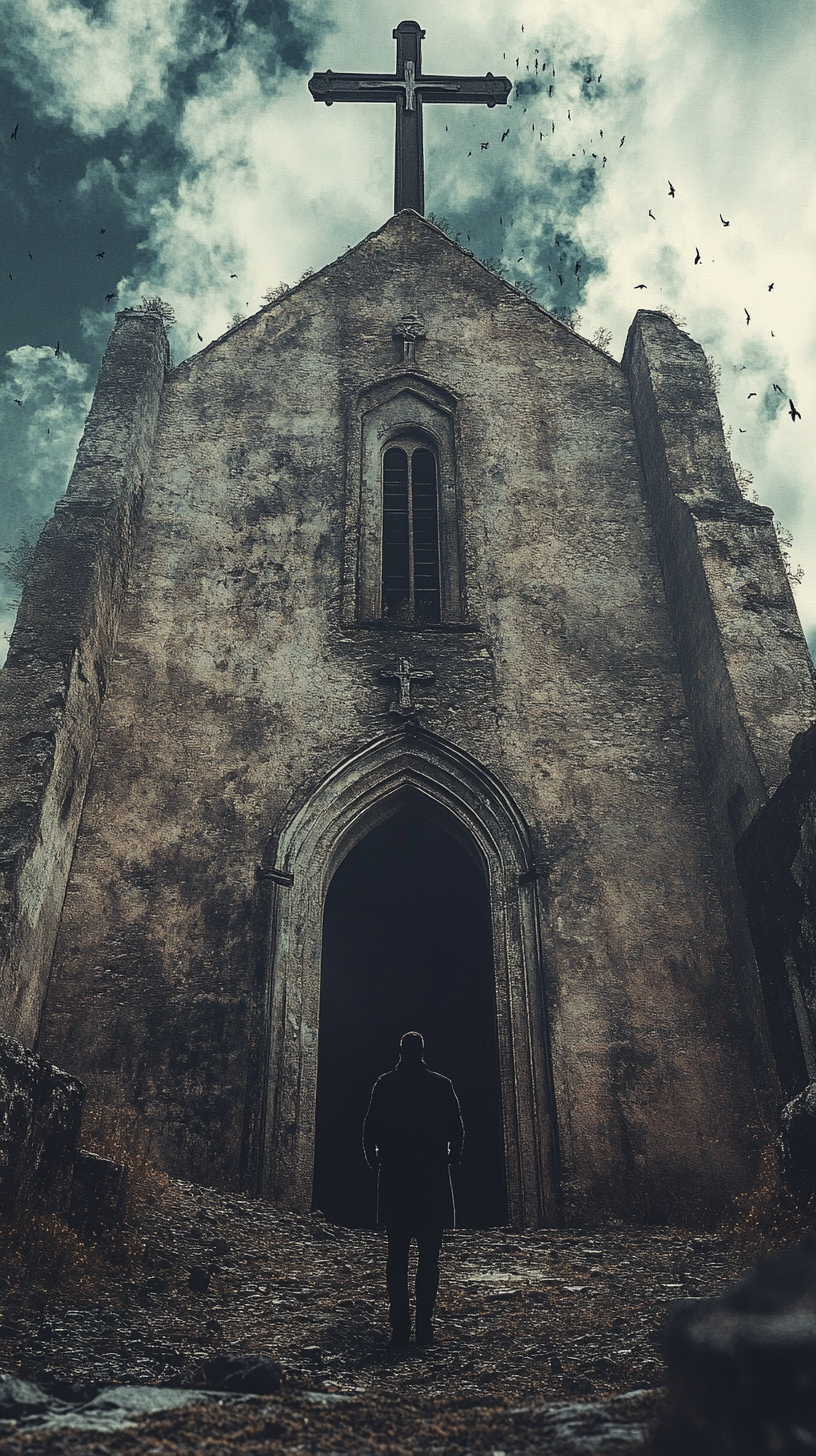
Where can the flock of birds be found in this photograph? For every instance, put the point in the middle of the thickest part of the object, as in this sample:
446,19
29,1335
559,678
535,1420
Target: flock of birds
538,72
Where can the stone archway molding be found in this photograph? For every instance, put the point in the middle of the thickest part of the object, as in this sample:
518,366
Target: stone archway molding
416,767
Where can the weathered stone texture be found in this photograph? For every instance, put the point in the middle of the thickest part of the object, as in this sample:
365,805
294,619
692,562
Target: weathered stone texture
55,676
40,1116
746,668
776,862
242,678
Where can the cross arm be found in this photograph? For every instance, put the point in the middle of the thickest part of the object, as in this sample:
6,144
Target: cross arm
490,90
331,86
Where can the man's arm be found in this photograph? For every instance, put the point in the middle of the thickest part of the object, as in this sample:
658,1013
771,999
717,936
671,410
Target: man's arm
371,1131
456,1129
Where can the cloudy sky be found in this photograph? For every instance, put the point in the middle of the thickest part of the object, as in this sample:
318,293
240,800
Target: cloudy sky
171,147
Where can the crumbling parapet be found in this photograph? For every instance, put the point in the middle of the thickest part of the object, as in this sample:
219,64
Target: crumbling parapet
745,662
746,669
53,683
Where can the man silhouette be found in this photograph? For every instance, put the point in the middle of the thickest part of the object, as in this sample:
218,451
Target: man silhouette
412,1135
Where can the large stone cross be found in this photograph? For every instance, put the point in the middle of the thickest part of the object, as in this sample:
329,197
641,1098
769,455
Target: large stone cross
409,88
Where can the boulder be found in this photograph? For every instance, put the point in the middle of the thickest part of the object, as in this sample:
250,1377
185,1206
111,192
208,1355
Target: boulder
797,1144
40,1114
742,1367
244,1374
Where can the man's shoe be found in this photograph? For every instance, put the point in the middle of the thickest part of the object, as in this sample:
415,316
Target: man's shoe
425,1334
399,1339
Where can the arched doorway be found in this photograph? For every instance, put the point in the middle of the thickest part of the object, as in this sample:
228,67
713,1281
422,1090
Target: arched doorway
407,944
298,864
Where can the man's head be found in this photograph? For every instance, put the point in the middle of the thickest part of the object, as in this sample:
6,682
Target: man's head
411,1048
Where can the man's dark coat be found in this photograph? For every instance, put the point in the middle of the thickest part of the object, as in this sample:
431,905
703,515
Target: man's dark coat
412,1132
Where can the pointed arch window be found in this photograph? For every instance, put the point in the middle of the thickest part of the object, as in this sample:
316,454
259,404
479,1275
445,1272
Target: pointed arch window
410,533
404,556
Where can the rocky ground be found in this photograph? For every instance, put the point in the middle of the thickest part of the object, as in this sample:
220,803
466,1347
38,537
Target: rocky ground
542,1337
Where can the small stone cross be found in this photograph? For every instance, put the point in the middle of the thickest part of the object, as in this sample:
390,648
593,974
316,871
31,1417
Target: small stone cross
405,675
409,88
409,331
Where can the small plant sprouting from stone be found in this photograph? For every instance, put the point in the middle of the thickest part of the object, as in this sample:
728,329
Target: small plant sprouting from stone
714,372
568,316
237,318
443,225
271,295
676,318
602,339
157,305
785,539
744,479
525,286
307,273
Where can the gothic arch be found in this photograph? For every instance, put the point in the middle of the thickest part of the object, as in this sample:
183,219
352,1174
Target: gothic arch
443,782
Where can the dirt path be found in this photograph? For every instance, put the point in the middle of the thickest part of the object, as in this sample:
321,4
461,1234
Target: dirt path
529,1324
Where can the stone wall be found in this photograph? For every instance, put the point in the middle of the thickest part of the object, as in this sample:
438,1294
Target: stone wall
242,678
747,673
776,862
56,673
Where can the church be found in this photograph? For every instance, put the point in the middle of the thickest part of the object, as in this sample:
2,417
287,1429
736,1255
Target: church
401,660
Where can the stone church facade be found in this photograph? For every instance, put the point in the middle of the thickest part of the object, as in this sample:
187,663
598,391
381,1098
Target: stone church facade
584,665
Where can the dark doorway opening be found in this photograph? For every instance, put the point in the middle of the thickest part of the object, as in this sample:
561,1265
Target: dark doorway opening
407,946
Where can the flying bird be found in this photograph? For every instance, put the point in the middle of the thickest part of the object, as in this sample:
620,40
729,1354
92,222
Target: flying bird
505,133
14,138
622,140
770,286
198,336
57,350
747,316
102,230
778,390
484,146
233,275
640,285
578,266
17,401
109,297
100,255
671,190
752,395
793,411
652,216
560,280
698,259
31,256
723,221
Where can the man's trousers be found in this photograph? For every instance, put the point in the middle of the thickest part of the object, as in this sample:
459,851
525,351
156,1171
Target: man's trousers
429,1243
